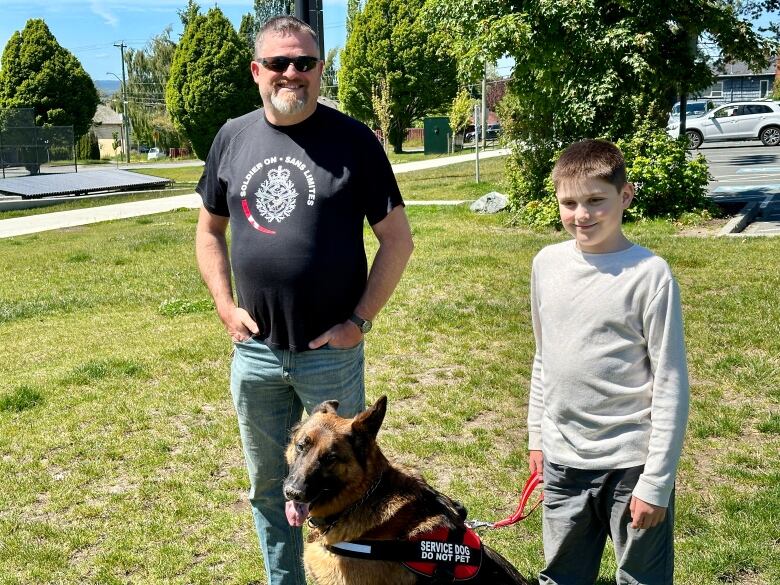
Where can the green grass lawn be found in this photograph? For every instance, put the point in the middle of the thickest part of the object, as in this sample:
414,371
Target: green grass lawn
188,176
412,154
120,460
454,182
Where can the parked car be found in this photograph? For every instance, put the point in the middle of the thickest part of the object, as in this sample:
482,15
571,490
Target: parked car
693,109
155,153
736,121
492,133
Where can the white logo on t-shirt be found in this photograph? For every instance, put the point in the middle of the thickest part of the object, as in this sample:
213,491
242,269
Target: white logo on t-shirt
276,196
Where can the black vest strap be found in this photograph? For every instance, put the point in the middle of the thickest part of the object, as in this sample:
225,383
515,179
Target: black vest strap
446,554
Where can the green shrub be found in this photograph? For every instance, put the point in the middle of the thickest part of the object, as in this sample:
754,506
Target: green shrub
668,183
527,171
87,147
541,213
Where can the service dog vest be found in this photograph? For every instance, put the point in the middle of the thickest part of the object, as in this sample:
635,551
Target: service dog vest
453,555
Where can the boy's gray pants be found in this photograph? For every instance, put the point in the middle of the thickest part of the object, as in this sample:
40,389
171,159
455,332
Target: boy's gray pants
581,508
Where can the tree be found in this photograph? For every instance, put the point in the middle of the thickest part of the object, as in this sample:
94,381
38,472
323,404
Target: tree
87,147
381,102
147,76
590,69
210,80
496,88
389,41
460,112
353,7
264,10
329,87
39,73
247,31
267,9
189,13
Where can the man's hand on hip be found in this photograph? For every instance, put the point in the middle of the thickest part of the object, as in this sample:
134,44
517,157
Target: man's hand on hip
239,323
341,336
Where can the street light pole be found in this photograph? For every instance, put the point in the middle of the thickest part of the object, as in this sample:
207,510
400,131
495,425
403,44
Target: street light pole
125,119
310,12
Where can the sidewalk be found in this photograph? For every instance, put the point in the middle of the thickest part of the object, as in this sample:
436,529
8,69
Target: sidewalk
20,226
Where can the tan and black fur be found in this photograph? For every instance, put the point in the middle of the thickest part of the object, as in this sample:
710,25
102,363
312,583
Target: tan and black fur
354,492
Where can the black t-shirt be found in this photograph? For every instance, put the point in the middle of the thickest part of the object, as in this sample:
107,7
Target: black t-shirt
296,197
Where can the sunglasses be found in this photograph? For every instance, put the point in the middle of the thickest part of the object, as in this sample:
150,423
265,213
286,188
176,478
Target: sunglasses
280,64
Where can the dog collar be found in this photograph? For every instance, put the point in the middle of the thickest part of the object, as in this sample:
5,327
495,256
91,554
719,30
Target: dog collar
324,525
450,555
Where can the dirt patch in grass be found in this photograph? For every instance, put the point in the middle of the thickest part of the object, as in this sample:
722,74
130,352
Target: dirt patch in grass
487,419
745,577
446,376
708,229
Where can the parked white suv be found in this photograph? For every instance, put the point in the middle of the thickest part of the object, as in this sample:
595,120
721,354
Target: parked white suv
155,153
737,121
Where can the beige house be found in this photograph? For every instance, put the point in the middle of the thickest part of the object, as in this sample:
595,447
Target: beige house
106,123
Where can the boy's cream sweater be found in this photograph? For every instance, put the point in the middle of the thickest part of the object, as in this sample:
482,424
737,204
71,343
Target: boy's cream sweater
609,388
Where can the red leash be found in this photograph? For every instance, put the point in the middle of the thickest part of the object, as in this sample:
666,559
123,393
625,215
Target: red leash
528,489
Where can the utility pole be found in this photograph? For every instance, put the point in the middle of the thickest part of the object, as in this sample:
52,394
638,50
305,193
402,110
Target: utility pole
310,12
484,107
125,119
691,44
476,138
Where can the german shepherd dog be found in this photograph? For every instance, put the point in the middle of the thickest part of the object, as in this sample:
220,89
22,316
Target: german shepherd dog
351,492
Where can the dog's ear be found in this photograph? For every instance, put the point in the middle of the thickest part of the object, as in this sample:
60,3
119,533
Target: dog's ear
327,407
371,419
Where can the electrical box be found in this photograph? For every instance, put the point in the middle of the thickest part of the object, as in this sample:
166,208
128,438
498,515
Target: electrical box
436,133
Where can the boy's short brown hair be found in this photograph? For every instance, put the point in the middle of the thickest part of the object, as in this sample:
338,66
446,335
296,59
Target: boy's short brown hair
591,159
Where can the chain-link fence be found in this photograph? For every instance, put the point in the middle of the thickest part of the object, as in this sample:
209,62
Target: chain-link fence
29,149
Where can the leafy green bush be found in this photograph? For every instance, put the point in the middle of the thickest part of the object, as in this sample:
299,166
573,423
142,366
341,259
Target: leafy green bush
87,147
541,213
668,183
527,171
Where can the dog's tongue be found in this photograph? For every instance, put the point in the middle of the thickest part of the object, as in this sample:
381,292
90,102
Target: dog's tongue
296,513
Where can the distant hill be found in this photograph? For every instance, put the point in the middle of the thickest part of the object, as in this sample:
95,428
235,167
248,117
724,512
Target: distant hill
107,86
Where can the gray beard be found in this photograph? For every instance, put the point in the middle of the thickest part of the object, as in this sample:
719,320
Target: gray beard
289,107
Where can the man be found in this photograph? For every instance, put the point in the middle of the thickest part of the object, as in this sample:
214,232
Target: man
295,180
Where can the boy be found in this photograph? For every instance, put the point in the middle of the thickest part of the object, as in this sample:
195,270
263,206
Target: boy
609,390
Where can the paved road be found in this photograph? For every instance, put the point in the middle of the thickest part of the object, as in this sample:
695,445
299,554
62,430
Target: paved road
743,172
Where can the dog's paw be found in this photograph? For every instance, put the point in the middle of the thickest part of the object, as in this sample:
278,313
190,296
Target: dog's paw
296,513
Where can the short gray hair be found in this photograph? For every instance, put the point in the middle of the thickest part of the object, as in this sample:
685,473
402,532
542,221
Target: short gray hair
284,25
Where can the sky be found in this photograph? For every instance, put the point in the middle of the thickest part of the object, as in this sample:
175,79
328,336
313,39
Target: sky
90,28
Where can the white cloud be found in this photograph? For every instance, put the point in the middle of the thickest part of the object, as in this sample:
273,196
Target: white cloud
99,7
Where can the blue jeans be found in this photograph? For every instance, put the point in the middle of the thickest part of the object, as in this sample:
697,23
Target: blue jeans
270,389
581,508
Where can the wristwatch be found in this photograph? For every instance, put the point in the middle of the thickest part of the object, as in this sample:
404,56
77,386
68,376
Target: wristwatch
363,324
